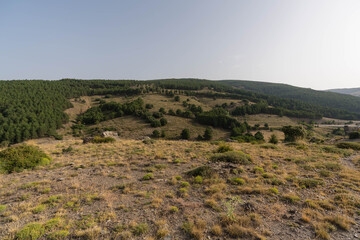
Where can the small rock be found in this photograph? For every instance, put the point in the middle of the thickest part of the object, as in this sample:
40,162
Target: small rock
60,179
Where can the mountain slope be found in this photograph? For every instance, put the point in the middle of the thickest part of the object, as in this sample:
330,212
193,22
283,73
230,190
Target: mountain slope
325,99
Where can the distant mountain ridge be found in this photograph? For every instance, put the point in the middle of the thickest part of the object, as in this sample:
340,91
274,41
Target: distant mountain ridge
349,91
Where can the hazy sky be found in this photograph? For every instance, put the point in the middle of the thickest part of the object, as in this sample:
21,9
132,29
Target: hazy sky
308,43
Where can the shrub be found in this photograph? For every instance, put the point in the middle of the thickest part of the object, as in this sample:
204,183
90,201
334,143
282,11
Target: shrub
2,208
68,149
348,145
237,181
208,134
198,179
156,133
38,209
140,229
274,190
149,106
185,134
98,139
293,133
232,157
148,141
259,136
148,176
258,170
163,133
273,139
354,135
31,231
174,209
184,184
163,121
290,198
310,182
157,114
155,123
224,148
203,171
162,110
57,235
16,159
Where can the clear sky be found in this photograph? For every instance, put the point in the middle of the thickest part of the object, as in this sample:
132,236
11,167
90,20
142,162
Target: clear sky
308,43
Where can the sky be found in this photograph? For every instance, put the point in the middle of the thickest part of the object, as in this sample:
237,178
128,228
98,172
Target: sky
307,43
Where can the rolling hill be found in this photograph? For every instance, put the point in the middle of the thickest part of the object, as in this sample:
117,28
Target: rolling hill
333,99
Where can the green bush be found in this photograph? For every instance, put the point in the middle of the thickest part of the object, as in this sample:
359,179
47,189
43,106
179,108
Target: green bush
259,136
156,134
185,134
293,133
2,208
198,179
163,121
224,148
16,159
232,157
203,171
237,181
98,139
310,182
32,231
208,134
354,135
140,229
273,139
148,176
348,145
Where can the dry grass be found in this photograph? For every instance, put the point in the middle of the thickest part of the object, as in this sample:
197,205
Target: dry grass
99,193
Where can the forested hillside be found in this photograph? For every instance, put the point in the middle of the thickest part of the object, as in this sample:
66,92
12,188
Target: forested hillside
35,108
320,98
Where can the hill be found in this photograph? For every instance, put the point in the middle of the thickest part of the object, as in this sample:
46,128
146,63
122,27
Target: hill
151,179
35,108
333,99
351,91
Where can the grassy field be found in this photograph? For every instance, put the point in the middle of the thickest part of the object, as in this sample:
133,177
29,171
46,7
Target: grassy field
135,190
174,189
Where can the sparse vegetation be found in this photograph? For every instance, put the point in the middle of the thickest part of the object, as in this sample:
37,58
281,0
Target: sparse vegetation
223,188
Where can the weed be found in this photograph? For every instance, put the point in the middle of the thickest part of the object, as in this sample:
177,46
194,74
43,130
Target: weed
198,180
237,181
148,176
231,205
290,198
38,209
173,209
140,229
